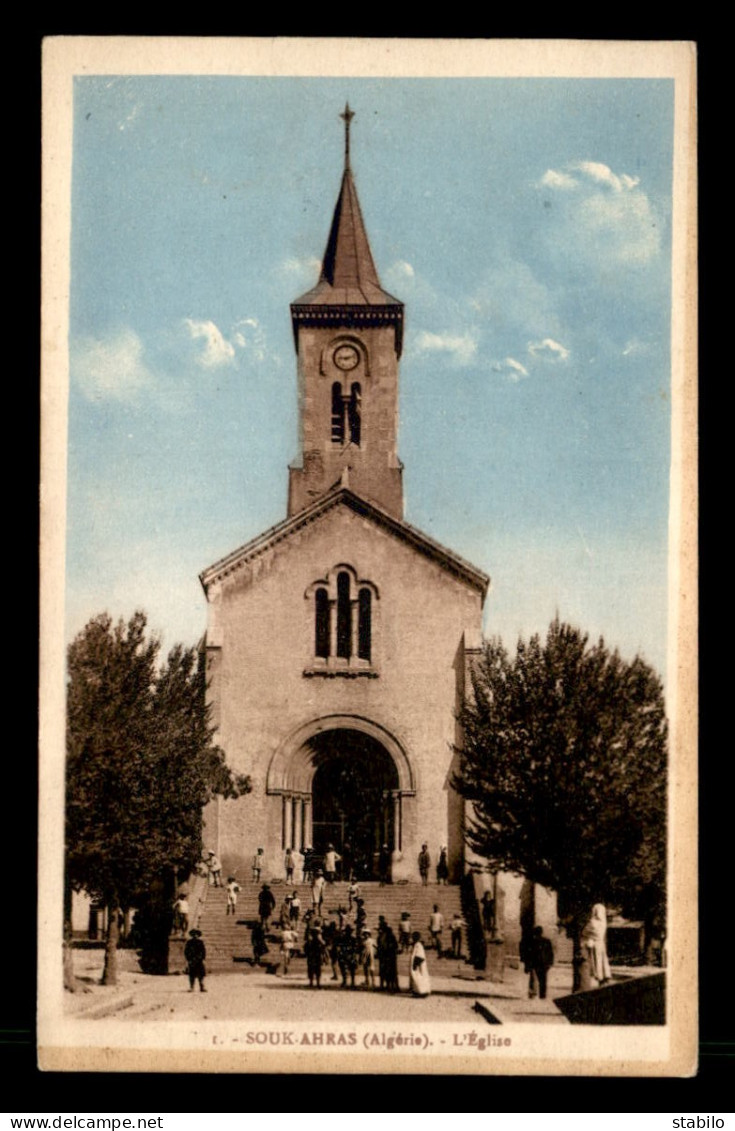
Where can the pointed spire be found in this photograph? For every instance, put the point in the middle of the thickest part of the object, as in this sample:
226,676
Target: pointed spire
348,276
347,115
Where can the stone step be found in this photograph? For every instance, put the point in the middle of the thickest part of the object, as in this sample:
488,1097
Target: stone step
228,939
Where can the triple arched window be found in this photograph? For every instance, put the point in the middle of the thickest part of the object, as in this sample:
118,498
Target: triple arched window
343,607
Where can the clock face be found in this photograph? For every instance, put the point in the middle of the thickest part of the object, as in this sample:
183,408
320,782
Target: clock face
346,357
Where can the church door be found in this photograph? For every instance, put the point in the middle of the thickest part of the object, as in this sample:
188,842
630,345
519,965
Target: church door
353,791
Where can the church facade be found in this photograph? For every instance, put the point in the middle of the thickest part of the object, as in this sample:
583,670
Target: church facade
339,642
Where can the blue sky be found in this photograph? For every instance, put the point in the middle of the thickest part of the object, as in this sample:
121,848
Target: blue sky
525,223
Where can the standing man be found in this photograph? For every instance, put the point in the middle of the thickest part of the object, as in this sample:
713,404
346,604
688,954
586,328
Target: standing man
215,869
456,925
289,939
288,864
541,958
424,864
314,951
488,912
266,903
347,956
195,952
331,860
181,915
308,864
257,864
233,888
436,926
384,865
368,958
295,909
317,893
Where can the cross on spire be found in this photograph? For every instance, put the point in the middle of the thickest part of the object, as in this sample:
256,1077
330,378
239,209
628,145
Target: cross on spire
347,115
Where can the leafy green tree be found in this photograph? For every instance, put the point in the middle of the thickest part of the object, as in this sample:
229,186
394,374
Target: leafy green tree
141,764
564,760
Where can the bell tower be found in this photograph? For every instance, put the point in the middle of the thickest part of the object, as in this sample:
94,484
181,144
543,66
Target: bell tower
348,334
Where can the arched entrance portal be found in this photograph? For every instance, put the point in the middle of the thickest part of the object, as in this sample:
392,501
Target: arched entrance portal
354,794
344,778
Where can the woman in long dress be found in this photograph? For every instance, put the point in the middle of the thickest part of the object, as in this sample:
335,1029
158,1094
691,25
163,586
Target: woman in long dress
418,979
594,944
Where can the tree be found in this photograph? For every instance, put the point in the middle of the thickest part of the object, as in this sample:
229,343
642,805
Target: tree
564,761
141,764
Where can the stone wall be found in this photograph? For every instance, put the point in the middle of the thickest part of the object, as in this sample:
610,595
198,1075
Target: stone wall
260,642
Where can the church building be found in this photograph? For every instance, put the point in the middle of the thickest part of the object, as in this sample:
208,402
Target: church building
339,641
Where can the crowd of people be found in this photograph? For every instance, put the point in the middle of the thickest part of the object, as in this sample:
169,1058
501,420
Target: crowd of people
304,867
342,946
346,946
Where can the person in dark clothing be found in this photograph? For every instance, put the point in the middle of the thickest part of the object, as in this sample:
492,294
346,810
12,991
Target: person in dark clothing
442,868
314,951
347,956
266,903
384,865
330,934
381,951
404,932
525,953
257,938
541,958
388,959
295,909
424,864
488,912
348,861
195,952
309,864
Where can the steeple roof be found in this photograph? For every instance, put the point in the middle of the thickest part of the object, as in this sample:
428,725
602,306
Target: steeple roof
348,276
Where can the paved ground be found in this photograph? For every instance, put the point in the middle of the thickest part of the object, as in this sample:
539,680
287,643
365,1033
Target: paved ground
267,997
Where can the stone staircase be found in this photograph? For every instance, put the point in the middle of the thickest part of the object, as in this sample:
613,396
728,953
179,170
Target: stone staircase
227,937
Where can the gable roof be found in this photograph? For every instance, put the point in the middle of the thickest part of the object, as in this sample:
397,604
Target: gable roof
343,496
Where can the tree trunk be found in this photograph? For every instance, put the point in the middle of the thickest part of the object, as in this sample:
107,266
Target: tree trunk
577,956
109,973
70,982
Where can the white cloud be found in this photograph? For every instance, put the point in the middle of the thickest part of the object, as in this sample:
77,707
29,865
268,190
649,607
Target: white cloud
511,298
248,335
462,347
401,270
604,175
510,368
309,265
558,180
130,118
635,347
404,281
548,349
624,226
607,216
217,350
110,367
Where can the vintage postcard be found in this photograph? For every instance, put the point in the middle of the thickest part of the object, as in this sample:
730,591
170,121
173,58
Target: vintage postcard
368,658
